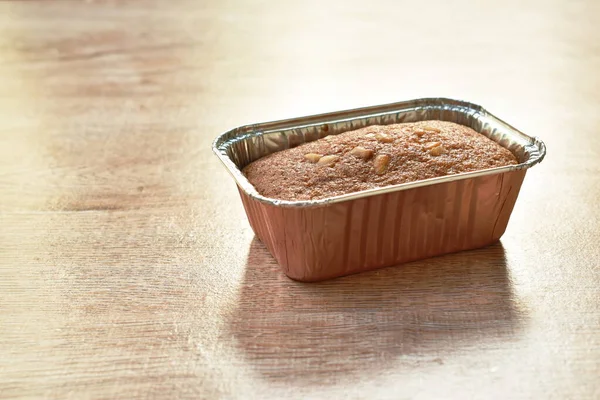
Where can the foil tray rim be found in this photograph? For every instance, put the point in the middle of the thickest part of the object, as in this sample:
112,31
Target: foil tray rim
220,144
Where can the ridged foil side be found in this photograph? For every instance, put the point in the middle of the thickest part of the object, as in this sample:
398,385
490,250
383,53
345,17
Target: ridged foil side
316,243
321,239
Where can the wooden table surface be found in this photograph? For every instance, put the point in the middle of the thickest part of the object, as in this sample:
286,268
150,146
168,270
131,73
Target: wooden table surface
127,266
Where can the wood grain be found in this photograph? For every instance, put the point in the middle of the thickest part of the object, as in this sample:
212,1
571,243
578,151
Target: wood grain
128,269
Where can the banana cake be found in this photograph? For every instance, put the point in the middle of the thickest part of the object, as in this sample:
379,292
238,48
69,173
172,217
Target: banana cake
373,157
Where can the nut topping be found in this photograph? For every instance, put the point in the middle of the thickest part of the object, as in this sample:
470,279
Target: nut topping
328,161
313,157
436,151
431,128
381,163
361,152
383,138
431,145
435,148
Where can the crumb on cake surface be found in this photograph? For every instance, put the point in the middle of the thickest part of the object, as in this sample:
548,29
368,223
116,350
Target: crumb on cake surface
373,157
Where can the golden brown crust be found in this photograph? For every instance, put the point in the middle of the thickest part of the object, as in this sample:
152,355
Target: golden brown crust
373,157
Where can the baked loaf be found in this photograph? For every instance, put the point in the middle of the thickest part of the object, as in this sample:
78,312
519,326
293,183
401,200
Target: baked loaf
374,157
